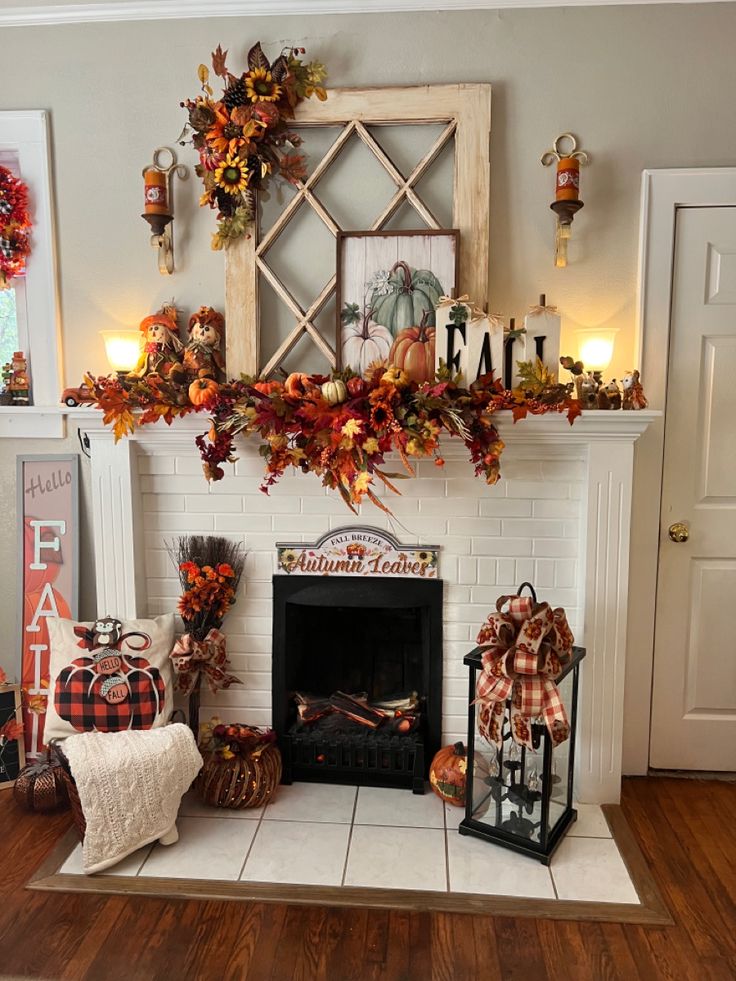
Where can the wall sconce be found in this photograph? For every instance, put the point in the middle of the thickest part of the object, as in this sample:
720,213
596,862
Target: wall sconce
158,209
123,349
595,348
567,201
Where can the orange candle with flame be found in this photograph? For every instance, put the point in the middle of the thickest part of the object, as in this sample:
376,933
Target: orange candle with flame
156,197
568,179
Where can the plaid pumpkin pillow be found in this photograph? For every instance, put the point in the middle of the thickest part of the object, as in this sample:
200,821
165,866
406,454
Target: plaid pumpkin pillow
109,675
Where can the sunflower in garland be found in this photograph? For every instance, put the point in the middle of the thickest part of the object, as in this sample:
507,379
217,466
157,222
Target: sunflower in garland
244,138
261,87
232,176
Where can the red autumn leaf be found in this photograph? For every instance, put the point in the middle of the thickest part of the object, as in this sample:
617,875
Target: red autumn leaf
293,168
519,412
573,410
218,61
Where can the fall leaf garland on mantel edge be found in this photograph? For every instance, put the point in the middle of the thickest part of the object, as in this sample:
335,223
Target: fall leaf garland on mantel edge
340,427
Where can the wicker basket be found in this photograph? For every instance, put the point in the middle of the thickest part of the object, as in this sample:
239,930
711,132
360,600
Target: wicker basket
244,781
71,788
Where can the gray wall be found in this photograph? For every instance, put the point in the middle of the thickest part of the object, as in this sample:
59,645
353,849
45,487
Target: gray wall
642,86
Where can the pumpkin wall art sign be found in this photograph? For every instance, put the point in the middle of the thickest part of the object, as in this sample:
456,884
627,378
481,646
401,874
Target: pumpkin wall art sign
388,287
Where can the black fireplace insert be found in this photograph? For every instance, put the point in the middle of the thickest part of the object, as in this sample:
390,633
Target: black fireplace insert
376,640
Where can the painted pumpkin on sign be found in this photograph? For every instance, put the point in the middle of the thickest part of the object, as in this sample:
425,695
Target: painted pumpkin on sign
447,774
409,293
363,340
413,351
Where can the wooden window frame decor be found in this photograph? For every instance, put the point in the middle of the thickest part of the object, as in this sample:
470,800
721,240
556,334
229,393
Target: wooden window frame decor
463,111
449,283
10,708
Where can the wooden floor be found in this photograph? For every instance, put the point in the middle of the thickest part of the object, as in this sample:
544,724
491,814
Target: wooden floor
686,829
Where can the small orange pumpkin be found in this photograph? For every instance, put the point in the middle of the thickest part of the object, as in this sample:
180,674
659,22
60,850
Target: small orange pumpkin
447,774
203,390
267,387
413,351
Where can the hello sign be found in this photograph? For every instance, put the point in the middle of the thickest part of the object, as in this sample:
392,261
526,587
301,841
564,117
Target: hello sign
48,548
359,551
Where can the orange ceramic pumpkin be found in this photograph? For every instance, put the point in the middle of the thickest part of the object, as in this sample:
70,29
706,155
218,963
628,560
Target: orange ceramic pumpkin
413,351
447,774
203,390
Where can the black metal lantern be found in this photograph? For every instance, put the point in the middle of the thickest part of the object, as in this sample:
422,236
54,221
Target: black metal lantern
517,797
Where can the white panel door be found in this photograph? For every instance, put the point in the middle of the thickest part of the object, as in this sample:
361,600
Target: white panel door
694,694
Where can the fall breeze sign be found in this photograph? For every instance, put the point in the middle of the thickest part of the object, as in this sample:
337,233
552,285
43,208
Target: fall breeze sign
49,575
359,551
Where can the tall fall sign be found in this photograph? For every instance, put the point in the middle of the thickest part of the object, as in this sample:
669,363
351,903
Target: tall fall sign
49,573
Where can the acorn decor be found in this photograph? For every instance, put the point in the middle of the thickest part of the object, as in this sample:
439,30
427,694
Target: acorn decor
40,786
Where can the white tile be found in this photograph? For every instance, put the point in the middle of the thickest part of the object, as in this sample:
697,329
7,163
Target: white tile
311,853
402,858
208,848
591,869
481,867
192,806
399,808
330,802
591,823
453,816
128,866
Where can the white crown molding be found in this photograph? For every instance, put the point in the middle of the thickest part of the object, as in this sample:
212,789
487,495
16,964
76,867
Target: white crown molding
131,10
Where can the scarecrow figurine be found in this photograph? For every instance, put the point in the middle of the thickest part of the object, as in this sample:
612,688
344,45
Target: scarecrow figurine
161,344
202,355
20,384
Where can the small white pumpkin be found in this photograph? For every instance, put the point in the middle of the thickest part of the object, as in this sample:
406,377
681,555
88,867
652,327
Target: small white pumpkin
334,392
363,342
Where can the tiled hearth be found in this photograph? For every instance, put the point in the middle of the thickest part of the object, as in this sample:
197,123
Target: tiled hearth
375,838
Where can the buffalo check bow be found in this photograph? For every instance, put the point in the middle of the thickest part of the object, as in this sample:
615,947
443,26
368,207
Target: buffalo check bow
191,657
526,647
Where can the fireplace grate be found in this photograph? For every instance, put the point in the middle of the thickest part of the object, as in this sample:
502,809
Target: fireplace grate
372,758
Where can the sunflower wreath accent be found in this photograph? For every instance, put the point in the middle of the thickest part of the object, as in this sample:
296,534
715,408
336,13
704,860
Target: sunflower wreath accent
15,226
243,138
339,427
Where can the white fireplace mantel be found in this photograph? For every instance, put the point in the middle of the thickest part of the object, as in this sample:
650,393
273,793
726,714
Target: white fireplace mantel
604,441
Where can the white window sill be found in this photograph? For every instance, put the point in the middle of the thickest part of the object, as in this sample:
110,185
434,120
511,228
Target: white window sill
32,422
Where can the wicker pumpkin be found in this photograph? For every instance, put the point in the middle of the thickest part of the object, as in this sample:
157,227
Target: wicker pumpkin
411,292
413,351
447,774
243,781
40,786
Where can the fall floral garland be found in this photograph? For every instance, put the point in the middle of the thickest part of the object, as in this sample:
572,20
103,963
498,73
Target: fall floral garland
339,427
15,226
243,138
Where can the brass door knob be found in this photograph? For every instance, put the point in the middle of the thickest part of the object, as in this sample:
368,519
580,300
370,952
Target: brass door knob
679,532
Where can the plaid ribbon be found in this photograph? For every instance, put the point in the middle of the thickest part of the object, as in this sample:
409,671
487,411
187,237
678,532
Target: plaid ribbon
191,657
526,647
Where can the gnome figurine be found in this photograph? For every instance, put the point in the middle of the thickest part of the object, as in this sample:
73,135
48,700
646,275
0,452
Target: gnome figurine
161,344
202,355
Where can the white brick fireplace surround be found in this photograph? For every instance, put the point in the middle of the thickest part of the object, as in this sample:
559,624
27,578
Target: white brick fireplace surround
560,518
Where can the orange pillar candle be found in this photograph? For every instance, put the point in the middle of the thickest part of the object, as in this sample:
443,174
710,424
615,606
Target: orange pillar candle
156,196
568,179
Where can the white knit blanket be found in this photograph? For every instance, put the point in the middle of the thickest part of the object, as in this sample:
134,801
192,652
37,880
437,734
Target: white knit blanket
130,787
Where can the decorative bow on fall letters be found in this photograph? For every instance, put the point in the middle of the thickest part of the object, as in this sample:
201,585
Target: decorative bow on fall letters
190,657
526,648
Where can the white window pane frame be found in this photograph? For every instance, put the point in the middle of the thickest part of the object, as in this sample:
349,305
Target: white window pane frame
25,135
